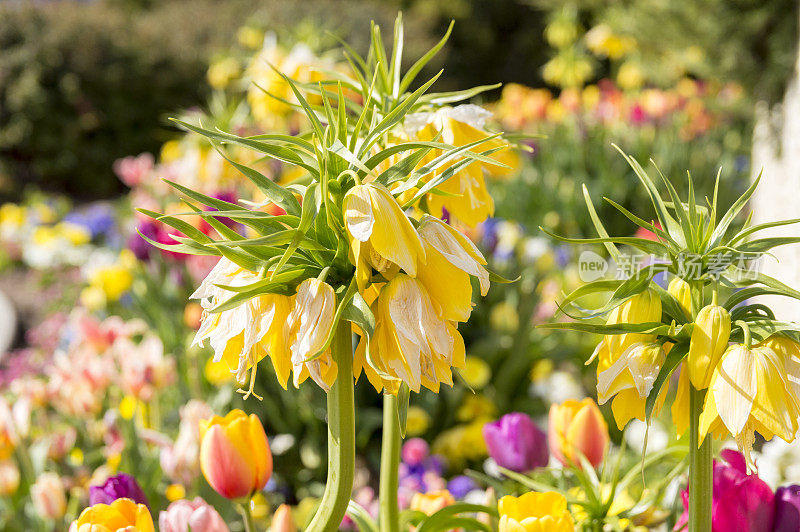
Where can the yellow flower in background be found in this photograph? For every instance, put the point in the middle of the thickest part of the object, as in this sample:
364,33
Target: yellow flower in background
250,37
750,392
171,151
602,41
417,421
217,373
12,216
476,406
175,492
630,75
569,68
75,234
682,291
222,72
122,514
458,126
381,235
710,334
411,340
307,328
476,373
450,259
504,317
535,512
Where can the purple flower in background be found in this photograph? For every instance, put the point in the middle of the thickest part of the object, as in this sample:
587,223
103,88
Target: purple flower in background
97,218
461,485
787,509
140,247
415,451
741,502
516,443
117,487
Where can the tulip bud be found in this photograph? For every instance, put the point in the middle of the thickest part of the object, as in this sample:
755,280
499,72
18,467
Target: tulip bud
282,520
48,496
185,516
787,509
577,427
9,478
712,329
682,291
121,486
516,443
234,454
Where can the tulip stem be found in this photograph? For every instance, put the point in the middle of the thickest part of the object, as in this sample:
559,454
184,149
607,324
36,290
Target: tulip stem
247,517
341,437
389,518
700,468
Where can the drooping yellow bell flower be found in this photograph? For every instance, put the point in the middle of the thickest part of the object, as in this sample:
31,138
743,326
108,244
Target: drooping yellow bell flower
789,351
712,329
680,406
306,330
243,335
628,403
411,341
458,126
637,368
122,514
381,235
750,392
450,260
535,512
681,291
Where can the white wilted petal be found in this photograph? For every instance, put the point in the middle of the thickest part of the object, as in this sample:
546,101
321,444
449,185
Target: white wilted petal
358,214
734,387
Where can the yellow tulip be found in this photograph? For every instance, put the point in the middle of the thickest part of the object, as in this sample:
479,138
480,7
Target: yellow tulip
234,454
750,392
458,126
307,328
577,428
450,260
381,235
682,291
712,328
535,512
411,342
121,515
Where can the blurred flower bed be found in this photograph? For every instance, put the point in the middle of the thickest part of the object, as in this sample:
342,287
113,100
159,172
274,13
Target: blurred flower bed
104,400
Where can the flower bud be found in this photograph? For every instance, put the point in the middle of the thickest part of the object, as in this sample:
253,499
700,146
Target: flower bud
282,520
516,443
575,428
682,291
122,514
197,514
641,308
234,454
712,329
121,486
48,496
306,330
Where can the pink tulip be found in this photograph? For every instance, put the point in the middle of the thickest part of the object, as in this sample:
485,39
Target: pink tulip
196,515
741,502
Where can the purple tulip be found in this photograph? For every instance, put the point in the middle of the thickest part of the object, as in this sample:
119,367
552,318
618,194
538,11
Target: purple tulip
516,443
117,487
787,509
741,502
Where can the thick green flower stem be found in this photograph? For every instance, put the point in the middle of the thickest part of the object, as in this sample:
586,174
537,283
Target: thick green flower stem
341,437
701,470
390,461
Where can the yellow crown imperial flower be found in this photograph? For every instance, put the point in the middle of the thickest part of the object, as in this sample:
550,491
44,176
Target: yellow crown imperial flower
641,308
411,341
750,391
458,126
712,329
450,260
307,328
535,512
244,334
637,369
381,235
681,291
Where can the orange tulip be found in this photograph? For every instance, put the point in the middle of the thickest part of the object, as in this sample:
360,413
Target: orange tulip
234,454
122,514
431,502
577,427
282,520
